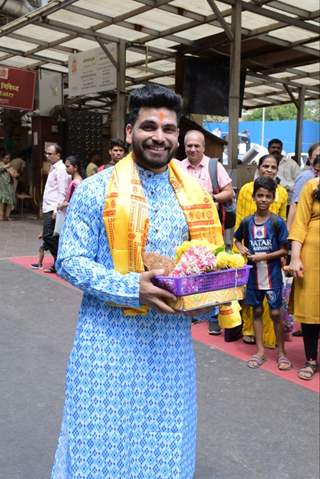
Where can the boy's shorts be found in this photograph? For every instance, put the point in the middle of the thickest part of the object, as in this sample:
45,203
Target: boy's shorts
254,297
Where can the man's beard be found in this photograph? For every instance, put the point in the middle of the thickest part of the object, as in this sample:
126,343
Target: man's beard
148,163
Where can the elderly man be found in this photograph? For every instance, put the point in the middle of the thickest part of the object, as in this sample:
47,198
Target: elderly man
54,193
130,409
288,168
197,165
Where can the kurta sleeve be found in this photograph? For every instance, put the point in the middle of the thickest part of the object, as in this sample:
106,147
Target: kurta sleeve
302,218
82,245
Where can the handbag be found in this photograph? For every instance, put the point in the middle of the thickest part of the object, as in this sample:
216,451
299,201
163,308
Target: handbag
227,210
287,318
60,217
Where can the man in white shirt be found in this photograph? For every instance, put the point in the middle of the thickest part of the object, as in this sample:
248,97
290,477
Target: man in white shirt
288,169
54,193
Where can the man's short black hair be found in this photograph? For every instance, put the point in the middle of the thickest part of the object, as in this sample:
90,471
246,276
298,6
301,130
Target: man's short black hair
117,142
265,182
153,96
275,140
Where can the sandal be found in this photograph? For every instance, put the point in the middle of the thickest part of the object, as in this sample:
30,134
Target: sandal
249,339
255,361
283,363
308,371
52,269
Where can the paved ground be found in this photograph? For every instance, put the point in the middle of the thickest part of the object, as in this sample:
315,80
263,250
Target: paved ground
265,428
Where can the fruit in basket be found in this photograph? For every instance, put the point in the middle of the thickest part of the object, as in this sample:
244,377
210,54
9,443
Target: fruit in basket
157,261
195,260
229,260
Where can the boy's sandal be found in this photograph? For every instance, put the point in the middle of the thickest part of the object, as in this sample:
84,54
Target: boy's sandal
308,371
255,361
283,363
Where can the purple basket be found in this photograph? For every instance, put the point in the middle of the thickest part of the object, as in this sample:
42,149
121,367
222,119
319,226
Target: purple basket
202,283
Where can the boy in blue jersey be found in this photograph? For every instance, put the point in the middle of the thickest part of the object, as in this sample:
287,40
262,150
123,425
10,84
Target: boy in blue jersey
263,239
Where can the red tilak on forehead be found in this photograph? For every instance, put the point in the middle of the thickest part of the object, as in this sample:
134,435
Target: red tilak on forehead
161,115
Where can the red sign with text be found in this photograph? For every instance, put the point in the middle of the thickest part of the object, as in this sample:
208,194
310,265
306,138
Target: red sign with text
17,88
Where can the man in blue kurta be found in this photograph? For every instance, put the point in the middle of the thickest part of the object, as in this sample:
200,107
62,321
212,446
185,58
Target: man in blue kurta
130,407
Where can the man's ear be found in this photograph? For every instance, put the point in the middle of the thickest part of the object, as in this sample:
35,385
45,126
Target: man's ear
129,129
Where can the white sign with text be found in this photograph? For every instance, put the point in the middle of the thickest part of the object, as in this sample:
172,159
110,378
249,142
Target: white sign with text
92,71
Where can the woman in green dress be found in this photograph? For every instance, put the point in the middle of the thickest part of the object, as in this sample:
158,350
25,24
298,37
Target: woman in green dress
7,196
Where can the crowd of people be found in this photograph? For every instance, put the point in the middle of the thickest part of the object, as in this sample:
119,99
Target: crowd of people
261,323
130,342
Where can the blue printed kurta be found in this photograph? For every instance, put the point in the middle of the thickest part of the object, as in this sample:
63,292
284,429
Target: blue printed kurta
130,407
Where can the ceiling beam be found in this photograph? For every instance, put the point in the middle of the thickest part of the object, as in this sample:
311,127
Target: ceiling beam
275,103
34,16
286,7
290,21
220,17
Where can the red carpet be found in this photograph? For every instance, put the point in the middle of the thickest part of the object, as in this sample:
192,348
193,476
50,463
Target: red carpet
237,349
26,262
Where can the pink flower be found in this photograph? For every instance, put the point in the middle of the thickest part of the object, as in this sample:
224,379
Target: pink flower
196,260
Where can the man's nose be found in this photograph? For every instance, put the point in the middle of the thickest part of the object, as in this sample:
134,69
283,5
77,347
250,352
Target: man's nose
158,135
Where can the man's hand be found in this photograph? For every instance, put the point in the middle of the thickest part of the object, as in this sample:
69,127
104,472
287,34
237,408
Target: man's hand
257,257
242,249
153,296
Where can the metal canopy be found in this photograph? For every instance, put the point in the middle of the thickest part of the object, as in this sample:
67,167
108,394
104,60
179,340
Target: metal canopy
279,47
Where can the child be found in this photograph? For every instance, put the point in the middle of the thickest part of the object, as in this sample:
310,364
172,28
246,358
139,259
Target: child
262,238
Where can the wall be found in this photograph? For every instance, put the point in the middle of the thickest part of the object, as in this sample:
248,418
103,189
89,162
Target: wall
285,130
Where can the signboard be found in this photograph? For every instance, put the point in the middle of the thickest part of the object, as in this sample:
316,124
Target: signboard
92,71
17,88
50,92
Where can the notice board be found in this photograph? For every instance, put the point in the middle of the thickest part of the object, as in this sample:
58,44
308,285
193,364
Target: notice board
17,88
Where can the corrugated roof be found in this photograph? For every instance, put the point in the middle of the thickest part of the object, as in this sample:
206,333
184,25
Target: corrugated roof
280,40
